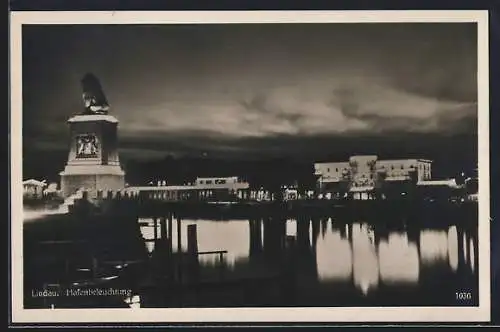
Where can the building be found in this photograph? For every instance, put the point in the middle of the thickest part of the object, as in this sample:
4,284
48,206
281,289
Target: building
366,177
203,189
33,189
221,188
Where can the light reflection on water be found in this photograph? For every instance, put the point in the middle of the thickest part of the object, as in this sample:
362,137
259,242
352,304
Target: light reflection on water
399,261
232,236
453,247
433,246
472,254
32,215
464,241
346,253
365,261
291,227
334,257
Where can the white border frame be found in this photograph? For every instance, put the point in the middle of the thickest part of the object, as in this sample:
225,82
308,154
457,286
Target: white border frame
336,314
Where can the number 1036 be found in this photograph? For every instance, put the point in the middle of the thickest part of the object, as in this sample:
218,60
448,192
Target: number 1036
463,296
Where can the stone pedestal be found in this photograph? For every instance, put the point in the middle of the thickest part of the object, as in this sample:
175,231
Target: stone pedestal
93,162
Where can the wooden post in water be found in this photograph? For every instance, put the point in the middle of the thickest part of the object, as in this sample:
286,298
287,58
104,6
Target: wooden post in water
461,246
193,252
179,250
170,233
163,229
315,231
288,277
283,235
303,233
163,238
221,265
349,231
192,239
179,238
162,247
155,230
255,237
258,234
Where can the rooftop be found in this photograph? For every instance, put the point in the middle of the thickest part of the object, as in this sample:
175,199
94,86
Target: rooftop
34,182
447,182
93,117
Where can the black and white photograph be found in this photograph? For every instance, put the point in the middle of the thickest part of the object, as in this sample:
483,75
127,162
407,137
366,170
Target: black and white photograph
250,166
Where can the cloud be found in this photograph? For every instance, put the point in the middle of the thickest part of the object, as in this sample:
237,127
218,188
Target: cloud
305,109
388,109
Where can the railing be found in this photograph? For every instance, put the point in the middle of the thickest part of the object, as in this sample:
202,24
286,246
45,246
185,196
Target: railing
219,252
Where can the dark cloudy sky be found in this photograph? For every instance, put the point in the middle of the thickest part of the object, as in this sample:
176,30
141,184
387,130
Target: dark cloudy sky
259,89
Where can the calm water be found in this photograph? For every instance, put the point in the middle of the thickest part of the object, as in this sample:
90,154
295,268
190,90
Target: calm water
302,261
339,264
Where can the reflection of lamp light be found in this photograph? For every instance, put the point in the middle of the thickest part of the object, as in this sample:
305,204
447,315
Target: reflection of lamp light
453,247
333,267
433,246
398,259
464,244
472,254
365,262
